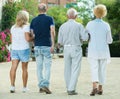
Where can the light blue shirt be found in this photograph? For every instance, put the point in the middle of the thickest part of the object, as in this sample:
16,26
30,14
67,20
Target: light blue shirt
72,33
100,37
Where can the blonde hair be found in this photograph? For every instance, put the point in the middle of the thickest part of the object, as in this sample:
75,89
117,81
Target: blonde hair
100,11
22,18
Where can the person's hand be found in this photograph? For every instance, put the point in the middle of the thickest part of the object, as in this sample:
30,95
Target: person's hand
88,37
52,49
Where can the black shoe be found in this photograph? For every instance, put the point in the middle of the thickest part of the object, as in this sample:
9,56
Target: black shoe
46,90
41,90
72,92
12,91
94,91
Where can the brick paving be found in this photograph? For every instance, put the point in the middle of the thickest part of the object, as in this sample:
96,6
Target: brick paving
111,88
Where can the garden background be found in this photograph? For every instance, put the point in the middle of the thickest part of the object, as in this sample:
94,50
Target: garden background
84,8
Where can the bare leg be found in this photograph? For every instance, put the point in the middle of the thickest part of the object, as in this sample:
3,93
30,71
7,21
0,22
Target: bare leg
94,91
25,73
13,71
94,85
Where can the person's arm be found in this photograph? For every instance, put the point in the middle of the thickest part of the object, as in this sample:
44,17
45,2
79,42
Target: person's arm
28,33
52,31
84,34
28,36
109,36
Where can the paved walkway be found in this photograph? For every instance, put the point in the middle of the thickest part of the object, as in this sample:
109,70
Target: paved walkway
111,89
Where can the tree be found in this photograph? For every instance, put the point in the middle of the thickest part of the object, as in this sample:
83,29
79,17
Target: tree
114,17
59,15
85,10
11,8
9,12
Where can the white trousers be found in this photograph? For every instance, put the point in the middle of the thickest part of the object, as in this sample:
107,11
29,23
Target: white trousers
72,59
98,70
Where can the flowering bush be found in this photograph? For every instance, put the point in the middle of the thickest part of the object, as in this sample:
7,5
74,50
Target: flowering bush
4,42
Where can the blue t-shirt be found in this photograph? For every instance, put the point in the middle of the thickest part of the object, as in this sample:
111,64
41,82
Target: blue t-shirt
41,28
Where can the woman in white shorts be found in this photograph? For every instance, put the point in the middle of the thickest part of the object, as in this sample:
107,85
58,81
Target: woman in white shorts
20,37
98,49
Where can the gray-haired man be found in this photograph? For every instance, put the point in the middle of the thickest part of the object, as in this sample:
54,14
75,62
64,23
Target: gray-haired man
71,34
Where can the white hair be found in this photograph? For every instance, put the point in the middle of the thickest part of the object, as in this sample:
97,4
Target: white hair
72,12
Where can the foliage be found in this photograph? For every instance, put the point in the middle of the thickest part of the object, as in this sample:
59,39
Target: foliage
30,6
114,49
104,1
59,15
84,8
10,10
4,42
114,17
9,14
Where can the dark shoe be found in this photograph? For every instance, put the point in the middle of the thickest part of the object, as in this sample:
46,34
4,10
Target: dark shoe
72,93
11,91
100,92
41,90
45,89
94,91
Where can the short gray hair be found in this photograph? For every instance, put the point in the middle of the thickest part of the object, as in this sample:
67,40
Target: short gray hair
42,7
72,12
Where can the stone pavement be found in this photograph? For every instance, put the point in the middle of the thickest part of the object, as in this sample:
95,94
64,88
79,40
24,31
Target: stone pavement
111,88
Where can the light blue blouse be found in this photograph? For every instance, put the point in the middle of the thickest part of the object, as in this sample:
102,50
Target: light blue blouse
100,37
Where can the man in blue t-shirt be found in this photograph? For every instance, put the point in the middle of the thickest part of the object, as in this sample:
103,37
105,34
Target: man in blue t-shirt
43,29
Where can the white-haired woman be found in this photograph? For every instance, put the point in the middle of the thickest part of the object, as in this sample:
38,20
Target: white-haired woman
20,37
98,49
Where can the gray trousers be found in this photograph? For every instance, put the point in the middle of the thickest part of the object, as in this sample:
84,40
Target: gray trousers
72,59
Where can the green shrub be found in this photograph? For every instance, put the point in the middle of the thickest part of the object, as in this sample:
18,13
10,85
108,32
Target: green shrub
9,14
115,49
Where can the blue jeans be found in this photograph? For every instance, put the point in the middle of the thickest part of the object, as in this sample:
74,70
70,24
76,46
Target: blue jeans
43,60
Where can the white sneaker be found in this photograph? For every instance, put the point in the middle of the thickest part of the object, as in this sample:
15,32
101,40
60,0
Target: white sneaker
12,89
25,89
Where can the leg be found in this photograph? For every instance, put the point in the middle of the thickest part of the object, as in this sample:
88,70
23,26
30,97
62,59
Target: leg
25,73
39,61
13,71
47,71
102,74
75,68
94,72
102,71
47,60
67,68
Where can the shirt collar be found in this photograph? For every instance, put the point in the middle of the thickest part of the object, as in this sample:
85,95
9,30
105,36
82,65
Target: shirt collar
41,14
98,20
71,20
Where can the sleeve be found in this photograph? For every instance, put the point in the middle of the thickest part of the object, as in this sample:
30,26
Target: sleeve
52,22
31,25
27,28
60,36
109,35
83,33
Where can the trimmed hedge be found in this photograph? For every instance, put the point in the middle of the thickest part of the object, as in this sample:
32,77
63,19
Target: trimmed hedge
114,49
